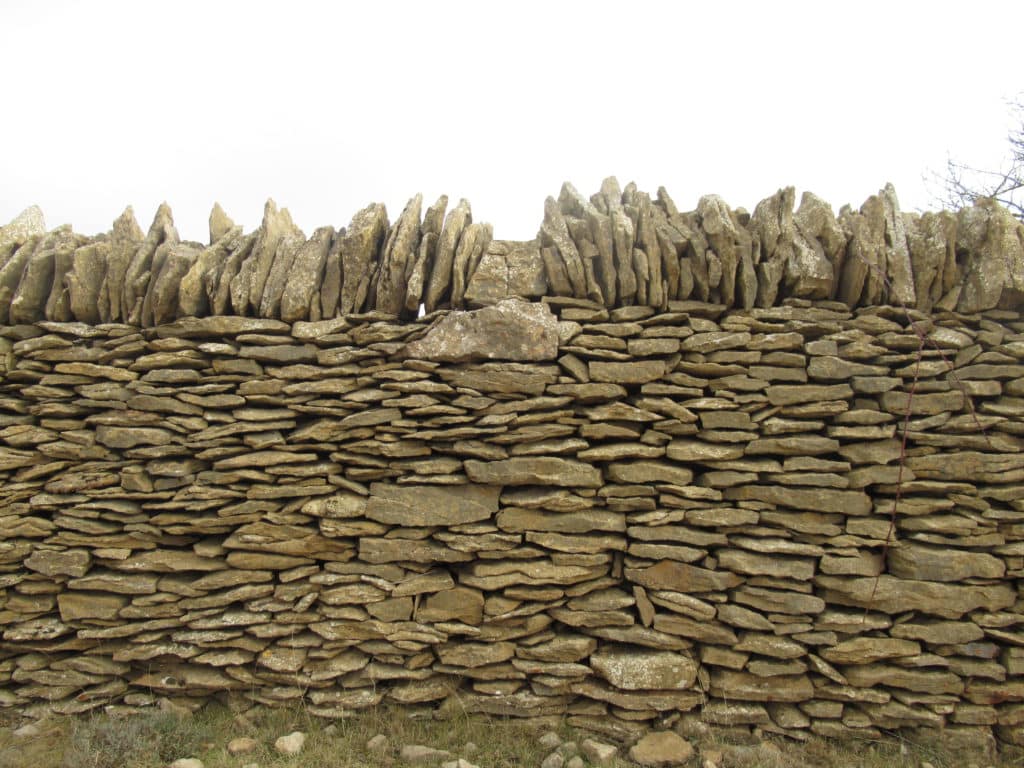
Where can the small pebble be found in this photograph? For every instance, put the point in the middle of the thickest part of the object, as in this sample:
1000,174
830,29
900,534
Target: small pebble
26,731
554,760
187,762
378,743
470,748
575,762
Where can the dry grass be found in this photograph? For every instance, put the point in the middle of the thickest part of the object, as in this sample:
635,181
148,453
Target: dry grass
154,740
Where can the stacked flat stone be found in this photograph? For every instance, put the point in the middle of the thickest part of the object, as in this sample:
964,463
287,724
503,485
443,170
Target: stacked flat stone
557,508
619,248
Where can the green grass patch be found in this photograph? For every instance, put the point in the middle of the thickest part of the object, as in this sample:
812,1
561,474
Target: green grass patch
155,739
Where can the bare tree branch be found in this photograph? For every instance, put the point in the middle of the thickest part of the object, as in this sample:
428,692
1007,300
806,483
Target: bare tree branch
962,185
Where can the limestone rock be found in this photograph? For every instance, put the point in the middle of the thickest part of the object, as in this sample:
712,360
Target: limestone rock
397,258
554,232
220,223
813,272
995,271
743,686
530,470
218,290
680,577
931,239
918,561
274,229
438,288
418,754
11,275
507,269
160,304
601,232
241,745
731,243
199,283
26,225
301,277
509,330
291,744
599,753
893,595
899,269
140,269
865,263
72,562
661,748
281,271
474,242
427,505
634,669
28,304
360,249
125,238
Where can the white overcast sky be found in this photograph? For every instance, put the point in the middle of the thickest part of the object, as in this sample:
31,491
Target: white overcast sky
326,107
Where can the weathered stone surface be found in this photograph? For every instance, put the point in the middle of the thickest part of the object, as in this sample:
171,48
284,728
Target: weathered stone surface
661,748
636,372
160,304
539,470
641,472
397,258
79,606
457,604
742,686
814,499
139,270
359,251
72,562
909,560
681,577
304,277
26,225
920,680
439,286
85,282
740,561
633,669
995,273
509,330
893,595
865,650
426,505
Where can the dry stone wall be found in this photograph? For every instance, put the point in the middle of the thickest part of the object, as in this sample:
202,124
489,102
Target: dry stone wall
624,516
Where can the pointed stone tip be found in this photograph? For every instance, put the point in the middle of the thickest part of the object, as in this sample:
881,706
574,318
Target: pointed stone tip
30,221
126,223
220,223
